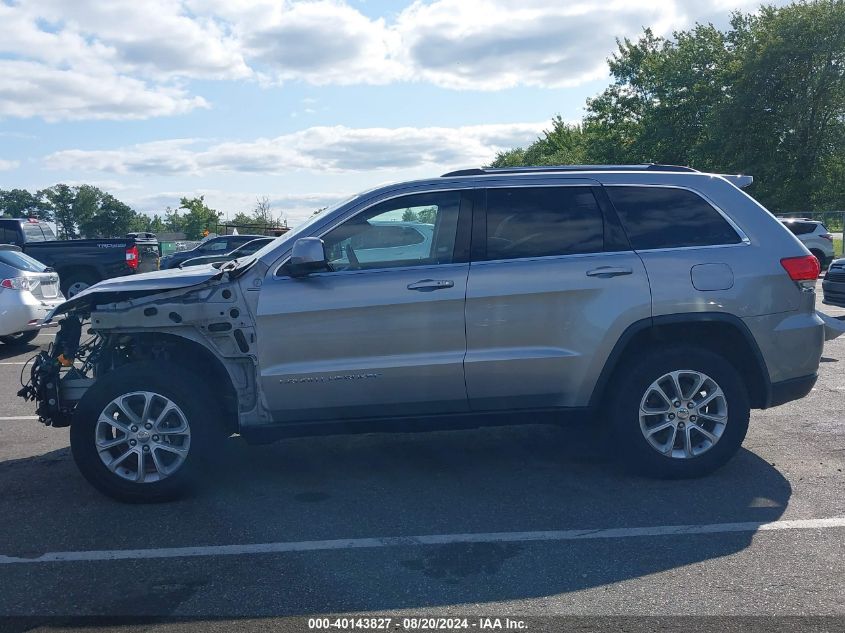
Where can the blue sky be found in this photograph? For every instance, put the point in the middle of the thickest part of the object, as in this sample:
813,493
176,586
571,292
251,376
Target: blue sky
303,102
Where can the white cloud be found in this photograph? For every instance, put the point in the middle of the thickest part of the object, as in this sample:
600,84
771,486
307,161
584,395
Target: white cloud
318,149
101,54
323,42
491,45
6,165
30,89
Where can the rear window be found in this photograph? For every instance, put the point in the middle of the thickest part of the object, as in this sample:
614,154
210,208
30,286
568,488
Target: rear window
801,228
21,261
543,222
48,233
33,232
664,217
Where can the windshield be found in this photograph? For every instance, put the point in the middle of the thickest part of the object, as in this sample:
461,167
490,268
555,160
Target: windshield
294,233
21,261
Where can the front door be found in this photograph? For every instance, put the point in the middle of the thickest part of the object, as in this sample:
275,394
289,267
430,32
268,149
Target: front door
382,333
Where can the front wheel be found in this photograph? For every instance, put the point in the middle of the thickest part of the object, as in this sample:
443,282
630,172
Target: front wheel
679,412
139,432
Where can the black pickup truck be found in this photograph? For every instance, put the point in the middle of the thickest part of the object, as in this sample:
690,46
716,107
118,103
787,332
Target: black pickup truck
80,263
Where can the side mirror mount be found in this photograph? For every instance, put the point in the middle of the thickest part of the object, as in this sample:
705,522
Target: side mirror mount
308,256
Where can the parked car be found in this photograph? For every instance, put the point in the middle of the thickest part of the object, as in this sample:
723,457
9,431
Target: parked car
80,263
833,284
658,300
814,236
29,290
214,246
242,251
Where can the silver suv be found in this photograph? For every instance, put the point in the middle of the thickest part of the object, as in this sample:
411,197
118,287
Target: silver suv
656,300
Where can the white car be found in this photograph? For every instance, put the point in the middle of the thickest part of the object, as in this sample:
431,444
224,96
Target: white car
814,235
29,290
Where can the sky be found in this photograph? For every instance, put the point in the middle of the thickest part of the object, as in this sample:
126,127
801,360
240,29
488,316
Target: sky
304,102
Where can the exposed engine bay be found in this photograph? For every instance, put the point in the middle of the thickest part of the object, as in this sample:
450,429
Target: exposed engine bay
206,327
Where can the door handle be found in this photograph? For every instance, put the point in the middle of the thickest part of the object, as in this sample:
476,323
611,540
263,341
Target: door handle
608,271
427,285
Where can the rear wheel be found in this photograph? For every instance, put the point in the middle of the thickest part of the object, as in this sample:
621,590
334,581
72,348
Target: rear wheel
76,282
679,412
139,433
20,338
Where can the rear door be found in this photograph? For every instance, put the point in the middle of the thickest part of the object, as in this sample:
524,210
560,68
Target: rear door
552,285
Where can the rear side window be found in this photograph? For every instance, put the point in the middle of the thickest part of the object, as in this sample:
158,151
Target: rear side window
542,222
663,217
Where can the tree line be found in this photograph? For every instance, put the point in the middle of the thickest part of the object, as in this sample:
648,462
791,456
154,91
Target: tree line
87,211
765,96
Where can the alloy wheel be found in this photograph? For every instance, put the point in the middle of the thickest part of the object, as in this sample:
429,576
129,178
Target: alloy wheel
683,414
142,437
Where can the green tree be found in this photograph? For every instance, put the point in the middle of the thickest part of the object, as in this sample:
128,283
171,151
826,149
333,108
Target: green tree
59,199
198,217
86,208
427,215
765,97
20,203
174,222
563,144
784,120
112,218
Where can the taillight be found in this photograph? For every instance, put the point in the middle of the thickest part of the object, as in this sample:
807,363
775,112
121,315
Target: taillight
132,256
804,268
826,236
18,283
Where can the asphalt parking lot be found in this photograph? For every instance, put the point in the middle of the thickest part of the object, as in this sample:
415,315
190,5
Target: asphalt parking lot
521,521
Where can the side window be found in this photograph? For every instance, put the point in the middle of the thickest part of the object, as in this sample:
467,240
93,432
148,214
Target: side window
543,221
407,231
663,217
216,246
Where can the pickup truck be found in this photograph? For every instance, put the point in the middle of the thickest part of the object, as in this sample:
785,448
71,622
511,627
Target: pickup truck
80,263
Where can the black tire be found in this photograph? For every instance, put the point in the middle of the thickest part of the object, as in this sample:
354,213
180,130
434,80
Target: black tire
630,384
195,400
19,339
76,279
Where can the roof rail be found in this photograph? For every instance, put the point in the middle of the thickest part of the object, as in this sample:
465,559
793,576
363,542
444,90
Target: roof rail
564,168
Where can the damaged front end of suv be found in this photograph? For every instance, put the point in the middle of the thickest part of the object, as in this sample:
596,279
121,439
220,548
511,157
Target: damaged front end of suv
196,323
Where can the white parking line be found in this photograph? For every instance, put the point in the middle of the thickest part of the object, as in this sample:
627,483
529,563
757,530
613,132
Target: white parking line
15,363
433,539
19,417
